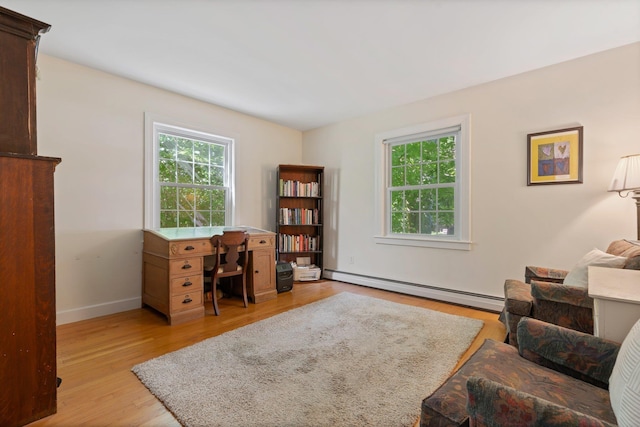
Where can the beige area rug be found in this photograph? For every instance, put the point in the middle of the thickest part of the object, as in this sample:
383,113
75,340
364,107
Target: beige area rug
347,360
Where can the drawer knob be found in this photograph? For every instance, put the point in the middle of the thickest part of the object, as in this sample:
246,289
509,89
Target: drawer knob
186,266
187,300
262,242
185,284
189,248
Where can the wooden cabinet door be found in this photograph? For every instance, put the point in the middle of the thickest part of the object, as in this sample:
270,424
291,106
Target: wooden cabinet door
262,285
27,285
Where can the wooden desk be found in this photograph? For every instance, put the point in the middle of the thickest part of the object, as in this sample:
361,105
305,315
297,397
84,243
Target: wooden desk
173,261
616,301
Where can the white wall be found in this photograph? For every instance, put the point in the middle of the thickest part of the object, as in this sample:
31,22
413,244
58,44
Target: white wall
95,122
513,225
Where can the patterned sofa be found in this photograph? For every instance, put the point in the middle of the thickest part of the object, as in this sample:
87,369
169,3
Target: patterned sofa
558,377
543,295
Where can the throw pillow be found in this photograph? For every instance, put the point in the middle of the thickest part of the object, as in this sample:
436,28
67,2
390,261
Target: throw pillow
578,274
624,383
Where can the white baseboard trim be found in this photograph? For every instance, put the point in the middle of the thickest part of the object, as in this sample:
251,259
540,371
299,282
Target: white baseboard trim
91,311
485,302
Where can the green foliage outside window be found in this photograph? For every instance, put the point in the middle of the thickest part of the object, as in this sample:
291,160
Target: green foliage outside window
423,175
191,173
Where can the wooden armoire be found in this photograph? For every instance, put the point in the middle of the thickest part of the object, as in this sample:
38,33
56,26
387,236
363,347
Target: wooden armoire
27,240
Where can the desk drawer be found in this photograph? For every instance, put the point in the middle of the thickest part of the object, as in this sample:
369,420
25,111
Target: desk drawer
264,241
191,247
185,266
186,301
180,285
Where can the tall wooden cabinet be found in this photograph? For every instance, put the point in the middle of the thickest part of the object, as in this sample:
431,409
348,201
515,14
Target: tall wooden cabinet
27,241
299,217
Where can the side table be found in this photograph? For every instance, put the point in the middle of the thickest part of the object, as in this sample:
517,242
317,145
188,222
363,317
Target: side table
616,301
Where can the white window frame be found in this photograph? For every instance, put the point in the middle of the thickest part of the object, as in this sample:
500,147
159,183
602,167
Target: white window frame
154,125
461,240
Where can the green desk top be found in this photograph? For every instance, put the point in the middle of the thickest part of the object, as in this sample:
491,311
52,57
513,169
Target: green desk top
199,232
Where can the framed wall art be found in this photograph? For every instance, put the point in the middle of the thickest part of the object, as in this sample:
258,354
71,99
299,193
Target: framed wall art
555,157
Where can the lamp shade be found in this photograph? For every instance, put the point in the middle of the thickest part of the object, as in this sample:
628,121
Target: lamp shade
627,174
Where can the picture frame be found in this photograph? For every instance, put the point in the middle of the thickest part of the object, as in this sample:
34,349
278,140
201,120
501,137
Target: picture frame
555,157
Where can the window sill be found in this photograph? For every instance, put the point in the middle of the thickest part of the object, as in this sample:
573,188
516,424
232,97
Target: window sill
423,242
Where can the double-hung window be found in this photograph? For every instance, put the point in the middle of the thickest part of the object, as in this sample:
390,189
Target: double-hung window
189,178
423,185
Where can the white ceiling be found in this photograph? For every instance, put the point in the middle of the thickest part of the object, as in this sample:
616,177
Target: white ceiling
308,63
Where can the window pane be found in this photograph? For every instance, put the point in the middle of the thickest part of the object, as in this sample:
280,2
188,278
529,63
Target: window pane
428,222
428,199
168,197
185,173
217,200
397,176
203,199
200,174
445,223
414,174
201,152
447,172
413,153
167,171
445,199
185,150
168,219
217,176
217,154
203,218
413,223
448,148
166,146
217,218
430,173
186,199
397,201
397,222
185,219
397,155
430,151
413,200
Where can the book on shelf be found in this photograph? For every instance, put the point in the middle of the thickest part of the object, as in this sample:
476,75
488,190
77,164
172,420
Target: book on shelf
291,188
298,216
298,243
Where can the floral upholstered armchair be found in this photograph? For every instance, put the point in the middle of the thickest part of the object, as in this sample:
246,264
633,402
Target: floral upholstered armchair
560,296
557,377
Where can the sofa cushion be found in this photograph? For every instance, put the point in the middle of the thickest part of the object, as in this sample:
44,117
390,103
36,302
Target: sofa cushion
492,404
578,274
629,249
624,383
501,363
517,297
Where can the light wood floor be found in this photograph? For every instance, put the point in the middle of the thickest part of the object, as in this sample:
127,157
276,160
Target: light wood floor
95,356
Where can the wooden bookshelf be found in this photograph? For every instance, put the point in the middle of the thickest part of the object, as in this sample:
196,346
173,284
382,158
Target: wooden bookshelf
299,216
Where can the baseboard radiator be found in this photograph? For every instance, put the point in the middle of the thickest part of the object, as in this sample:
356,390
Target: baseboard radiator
485,302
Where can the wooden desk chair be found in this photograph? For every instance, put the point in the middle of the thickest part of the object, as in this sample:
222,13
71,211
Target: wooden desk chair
231,259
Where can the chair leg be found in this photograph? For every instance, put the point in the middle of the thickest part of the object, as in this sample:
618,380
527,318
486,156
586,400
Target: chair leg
214,295
244,290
